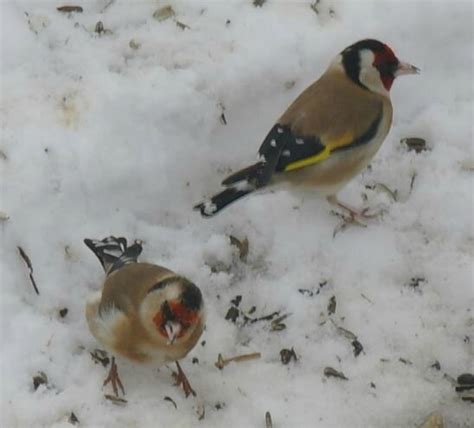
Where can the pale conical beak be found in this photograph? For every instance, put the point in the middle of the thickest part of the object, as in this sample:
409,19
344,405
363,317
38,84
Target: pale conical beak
405,68
172,329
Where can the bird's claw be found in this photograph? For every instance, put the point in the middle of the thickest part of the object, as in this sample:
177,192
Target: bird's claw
114,379
181,380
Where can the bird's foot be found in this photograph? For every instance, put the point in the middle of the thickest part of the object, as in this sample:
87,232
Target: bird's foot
114,379
181,380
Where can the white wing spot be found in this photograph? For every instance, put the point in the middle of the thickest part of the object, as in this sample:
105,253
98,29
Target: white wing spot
280,130
299,141
286,153
273,143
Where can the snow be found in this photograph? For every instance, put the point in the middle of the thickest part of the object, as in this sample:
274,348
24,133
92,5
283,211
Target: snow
102,135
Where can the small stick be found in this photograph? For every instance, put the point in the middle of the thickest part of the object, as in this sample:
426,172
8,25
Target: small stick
27,260
222,362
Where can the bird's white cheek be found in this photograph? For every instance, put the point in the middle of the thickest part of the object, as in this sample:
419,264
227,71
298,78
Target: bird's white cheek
369,75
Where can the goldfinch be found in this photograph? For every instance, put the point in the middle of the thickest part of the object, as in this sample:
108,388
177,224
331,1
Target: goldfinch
144,312
329,133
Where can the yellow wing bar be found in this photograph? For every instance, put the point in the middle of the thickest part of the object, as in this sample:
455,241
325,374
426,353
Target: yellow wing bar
331,145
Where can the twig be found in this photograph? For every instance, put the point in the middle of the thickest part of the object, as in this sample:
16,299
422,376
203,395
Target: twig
27,260
222,362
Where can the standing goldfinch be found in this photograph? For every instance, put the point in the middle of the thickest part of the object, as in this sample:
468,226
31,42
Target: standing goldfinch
144,312
330,132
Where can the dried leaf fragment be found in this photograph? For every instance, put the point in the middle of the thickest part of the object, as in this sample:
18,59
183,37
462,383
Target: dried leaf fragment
358,348
4,216
232,314
100,356
164,13
116,400
40,379
332,305
268,420
435,420
63,312
73,420
242,245
331,372
67,9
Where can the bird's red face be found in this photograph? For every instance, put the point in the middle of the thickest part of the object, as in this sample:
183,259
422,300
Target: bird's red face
386,63
175,319
370,62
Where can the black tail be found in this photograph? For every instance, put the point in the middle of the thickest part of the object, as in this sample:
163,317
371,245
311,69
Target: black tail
237,185
113,252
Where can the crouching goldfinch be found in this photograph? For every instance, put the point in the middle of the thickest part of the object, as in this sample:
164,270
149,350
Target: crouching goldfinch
144,312
330,132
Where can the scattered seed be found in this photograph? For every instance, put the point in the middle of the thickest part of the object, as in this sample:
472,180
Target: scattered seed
67,9
330,372
195,360
171,401
242,245
116,400
222,362
164,13
405,361
289,84
372,385
63,312
358,348
268,420
100,356
332,305
134,44
40,379
227,23
219,405
99,27
415,144
306,292
436,365
73,419
203,343
286,355
27,260
182,26
467,339
259,3
416,281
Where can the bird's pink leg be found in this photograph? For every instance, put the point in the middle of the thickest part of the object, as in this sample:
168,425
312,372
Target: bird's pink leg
354,213
181,380
114,379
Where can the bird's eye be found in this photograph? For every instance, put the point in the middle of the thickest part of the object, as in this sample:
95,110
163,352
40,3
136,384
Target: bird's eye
387,68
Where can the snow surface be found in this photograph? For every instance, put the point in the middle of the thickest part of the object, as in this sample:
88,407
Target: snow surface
101,138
